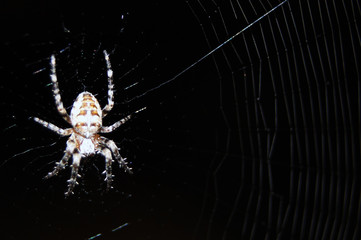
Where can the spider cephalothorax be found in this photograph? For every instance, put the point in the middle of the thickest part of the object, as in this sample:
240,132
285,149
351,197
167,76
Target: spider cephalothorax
86,120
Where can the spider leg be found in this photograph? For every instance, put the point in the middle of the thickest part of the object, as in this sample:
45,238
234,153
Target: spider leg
113,147
110,104
108,167
56,91
74,173
64,161
52,127
111,128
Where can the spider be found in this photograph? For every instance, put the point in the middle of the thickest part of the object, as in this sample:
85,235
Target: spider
86,119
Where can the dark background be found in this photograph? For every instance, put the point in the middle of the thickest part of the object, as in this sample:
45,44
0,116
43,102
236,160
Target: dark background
163,198
260,140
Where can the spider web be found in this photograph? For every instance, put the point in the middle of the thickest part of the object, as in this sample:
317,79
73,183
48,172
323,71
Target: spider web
259,139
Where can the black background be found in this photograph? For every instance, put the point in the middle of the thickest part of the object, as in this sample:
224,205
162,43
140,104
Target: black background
163,198
260,140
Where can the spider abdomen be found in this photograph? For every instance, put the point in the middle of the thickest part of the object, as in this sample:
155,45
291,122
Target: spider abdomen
86,115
